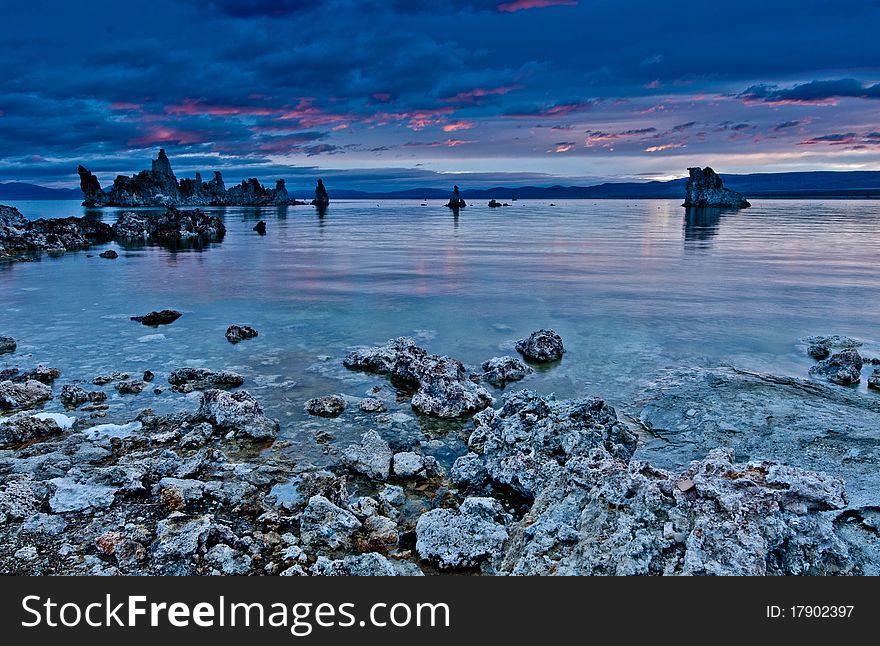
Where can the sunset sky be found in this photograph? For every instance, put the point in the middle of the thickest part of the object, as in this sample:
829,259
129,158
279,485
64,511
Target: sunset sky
407,93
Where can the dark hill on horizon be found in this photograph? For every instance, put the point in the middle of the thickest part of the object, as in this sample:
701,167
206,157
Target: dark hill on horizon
803,184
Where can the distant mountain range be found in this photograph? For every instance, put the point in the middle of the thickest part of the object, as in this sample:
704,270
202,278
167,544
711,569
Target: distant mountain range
799,184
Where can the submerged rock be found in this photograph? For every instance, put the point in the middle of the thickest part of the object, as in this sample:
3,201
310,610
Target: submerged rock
443,386
73,396
202,378
260,227
15,396
372,405
543,346
799,422
705,189
326,406
130,387
500,371
7,344
162,317
238,412
236,333
462,538
110,254
43,374
842,368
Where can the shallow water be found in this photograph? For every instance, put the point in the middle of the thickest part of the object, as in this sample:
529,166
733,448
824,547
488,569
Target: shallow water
633,287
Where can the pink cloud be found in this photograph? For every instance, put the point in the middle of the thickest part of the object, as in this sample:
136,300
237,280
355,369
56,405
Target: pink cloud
657,149
161,134
520,5
192,107
124,106
455,126
477,93
563,147
653,85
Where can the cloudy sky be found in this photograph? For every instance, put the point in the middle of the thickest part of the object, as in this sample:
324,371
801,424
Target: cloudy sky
405,93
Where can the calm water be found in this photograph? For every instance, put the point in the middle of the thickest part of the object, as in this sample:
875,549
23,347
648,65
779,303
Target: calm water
633,287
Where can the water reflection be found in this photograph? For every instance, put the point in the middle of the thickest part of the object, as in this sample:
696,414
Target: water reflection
700,226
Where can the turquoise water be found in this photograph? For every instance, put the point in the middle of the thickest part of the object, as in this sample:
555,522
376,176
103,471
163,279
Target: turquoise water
633,287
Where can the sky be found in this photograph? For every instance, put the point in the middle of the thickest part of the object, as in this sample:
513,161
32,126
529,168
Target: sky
417,93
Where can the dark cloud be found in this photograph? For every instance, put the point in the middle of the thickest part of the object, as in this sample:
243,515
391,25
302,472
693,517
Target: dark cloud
833,139
814,92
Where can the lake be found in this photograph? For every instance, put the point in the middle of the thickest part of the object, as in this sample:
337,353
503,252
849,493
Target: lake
633,287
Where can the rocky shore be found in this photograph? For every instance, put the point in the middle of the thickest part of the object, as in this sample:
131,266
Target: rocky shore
158,186
784,480
21,239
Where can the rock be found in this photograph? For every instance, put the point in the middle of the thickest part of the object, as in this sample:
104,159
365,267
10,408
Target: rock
19,236
19,499
43,374
455,202
227,560
260,227
160,187
236,333
493,204
377,534
102,380
802,423
528,439
172,226
7,344
818,351
408,464
444,388
321,196
238,412
148,376
69,495
324,524
130,387
202,378
14,396
874,379
162,317
372,405
502,370
27,553
179,539
327,406
392,495
600,515
110,254
197,437
842,368
50,525
543,346
705,189
73,396
832,341
462,538
24,428
372,456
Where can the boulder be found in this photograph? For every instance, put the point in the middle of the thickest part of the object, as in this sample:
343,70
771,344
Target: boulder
260,227
528,439
542,346
443,387
24,428
372,405
705,189
171,226
162,317
464,537
238,412
21,396
19,236
874,379
408,464
7,344
236,333
843,368
130,387
372,456
500,371
110,254
324,524
326,406
73,396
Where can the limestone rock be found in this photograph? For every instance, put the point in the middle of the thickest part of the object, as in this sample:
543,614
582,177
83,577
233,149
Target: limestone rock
543,346
202,378
843,368
500,371
238,412
465,537
237,333
705,189
372,456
